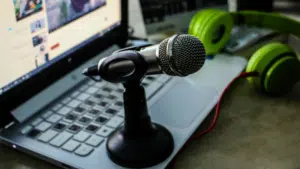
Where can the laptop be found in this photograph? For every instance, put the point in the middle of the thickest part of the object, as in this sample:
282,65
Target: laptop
50,111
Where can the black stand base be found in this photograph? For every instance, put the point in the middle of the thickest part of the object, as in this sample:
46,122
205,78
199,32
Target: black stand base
140,151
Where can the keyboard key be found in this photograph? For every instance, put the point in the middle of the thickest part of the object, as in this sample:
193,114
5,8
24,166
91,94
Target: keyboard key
105,131
26,129
43,126
33,133
85,120
95,141
64,111
54,118
115,122
102,109
118,85
145,84
117,94
61,139
103,104
84,150
71,145
92,128
79,109
83,96
56,107
119,103
103,93
98,96
66,100
94,112
74,128
111,111
47,136
101,119
94,99
47,114
36,121
74,103
111,97
59,126
99,85
91,90
118,108
82,136
84,88
71,117
91,82
89,103
121,113
75,94
107,89
113,86
85,106
120,90
151,78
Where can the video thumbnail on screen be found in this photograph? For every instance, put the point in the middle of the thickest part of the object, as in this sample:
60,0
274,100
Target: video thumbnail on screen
62,12
41,56
37,25
39,39
24,8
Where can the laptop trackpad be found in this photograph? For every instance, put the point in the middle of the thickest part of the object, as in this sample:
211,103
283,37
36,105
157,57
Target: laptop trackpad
181,104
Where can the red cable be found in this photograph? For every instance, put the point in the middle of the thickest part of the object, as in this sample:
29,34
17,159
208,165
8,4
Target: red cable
217,112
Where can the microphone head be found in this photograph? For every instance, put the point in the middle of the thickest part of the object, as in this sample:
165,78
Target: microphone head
181,55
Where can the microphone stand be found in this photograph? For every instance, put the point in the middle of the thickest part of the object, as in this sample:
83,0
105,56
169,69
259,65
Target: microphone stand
140,142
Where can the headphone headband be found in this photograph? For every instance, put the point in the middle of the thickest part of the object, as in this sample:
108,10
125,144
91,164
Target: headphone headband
273,21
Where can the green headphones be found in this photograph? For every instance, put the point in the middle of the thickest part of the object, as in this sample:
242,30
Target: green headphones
276,63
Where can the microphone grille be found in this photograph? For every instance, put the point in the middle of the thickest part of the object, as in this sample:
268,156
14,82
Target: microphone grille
187,55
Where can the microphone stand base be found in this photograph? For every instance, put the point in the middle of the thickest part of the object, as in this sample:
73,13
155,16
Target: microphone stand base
139,151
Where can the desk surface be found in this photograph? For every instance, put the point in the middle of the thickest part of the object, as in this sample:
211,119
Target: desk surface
253,131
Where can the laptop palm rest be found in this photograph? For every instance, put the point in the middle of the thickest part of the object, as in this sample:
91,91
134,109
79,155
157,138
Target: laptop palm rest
180,105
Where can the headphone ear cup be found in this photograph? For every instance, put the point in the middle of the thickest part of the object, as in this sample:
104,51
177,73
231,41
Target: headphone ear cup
213,28
198,21
273,62
282,75
192,30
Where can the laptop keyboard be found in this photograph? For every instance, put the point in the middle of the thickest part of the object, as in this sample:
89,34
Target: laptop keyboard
81,120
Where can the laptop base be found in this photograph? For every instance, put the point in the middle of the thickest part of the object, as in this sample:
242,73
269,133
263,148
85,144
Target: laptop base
167,107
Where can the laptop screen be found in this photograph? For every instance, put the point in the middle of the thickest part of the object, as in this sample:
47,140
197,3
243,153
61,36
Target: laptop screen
37,33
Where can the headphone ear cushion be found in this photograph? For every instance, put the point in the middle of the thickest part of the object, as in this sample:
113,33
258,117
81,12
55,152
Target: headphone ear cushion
282,75
198,21
192,30
263,61
213,28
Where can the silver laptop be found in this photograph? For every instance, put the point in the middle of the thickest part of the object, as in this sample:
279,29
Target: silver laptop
49,110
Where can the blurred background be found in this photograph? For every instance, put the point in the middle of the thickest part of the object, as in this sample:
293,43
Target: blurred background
160,19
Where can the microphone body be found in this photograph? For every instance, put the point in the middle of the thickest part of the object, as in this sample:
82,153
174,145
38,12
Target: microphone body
150,55
179,55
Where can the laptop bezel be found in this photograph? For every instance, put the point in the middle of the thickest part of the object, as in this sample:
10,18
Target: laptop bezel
19,94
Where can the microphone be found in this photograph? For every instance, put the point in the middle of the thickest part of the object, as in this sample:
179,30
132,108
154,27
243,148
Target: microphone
179,55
